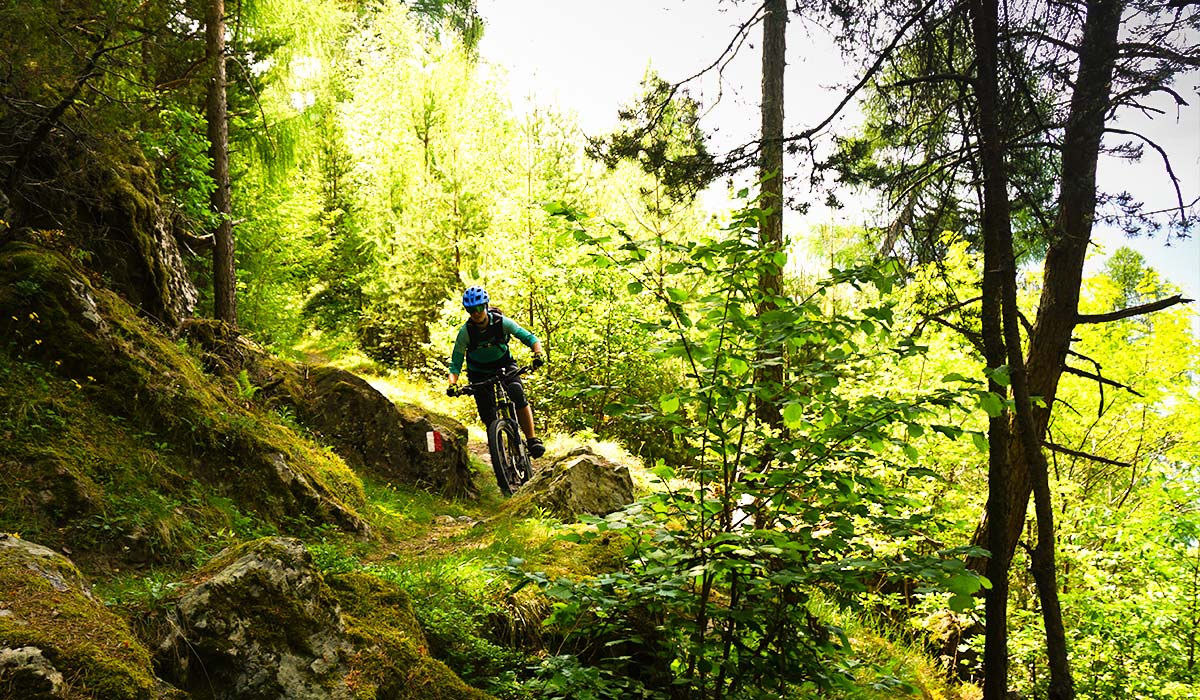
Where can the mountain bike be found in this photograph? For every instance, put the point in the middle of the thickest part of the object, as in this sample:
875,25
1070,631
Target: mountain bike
510,457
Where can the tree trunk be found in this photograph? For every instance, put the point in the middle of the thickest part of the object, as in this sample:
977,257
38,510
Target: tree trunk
769,373
997,269
1063,268
224,280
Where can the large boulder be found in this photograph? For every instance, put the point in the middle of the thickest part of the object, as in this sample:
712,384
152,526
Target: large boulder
376,437
577,483
57,640
388,441
262,623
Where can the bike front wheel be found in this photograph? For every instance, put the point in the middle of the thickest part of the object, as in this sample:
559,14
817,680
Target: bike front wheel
509,460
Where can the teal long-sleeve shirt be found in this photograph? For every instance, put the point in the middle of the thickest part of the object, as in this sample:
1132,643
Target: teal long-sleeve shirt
488,352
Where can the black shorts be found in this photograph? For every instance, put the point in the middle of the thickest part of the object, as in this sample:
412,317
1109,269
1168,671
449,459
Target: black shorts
485,401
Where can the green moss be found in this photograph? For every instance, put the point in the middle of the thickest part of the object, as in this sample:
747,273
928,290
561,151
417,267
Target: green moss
393,662
115,438
94,649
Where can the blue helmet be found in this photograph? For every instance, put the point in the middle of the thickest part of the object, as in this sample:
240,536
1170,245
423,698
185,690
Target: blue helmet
474,296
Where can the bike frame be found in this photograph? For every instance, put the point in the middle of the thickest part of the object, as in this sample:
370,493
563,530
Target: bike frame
506,444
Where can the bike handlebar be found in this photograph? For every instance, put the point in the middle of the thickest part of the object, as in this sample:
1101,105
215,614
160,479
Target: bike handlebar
470,389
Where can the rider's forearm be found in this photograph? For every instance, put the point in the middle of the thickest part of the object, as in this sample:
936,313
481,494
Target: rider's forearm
454,378
537,348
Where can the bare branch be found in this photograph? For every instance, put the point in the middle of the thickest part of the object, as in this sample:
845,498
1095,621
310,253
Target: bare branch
1102,380
1133,310
1166,163
739,38
882,58
972,336
1083,455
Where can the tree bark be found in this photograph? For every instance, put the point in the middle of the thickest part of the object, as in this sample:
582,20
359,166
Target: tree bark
1063,269
224,278
769,373
997,268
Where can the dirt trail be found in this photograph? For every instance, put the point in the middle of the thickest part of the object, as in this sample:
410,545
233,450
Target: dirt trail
446,532
479,450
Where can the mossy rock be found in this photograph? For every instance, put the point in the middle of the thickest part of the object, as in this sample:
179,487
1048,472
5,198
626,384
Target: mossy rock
392,660
580,482
375,436
49,620
385,440
261,623
104,206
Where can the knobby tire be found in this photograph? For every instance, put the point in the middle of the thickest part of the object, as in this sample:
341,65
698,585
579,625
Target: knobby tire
505,449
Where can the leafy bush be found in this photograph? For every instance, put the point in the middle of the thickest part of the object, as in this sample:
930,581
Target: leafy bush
725,560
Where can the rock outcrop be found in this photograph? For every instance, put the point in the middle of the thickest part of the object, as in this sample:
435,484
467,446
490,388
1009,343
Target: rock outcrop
388,441
264,625
109,210
577,483
374,436
105,406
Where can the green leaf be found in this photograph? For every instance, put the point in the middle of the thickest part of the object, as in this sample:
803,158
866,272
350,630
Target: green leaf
961,603
635,288
950,431
676,294
669,404
793,415
991,402
981,442
915,430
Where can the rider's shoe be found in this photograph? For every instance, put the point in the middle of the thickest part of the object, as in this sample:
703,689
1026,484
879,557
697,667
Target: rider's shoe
536,448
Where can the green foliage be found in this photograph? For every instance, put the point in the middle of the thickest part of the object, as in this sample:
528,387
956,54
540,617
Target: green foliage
1128,518
179,149
467,622
661,133
723,565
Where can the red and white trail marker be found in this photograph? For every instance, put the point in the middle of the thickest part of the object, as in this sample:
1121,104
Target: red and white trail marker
433,441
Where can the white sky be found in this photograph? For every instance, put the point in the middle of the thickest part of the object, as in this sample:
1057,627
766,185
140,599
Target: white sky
588,57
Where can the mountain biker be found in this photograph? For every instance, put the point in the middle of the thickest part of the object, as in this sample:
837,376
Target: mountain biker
483,343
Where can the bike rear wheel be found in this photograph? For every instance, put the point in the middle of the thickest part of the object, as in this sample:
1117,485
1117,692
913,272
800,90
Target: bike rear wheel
509,461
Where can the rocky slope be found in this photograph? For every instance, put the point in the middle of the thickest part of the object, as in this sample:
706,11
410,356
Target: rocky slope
208,468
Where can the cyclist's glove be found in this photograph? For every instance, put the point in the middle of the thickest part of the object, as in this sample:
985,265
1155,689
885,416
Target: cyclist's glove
451,390
538,361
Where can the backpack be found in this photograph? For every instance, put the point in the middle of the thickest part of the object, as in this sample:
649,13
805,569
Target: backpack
492,335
